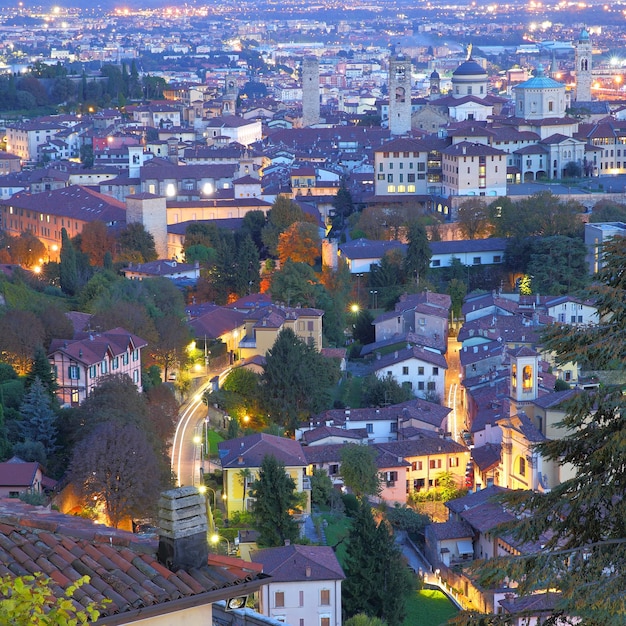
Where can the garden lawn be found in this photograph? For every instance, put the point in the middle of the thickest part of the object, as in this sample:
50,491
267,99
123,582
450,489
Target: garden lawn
350,392
338,528
428,607
214,438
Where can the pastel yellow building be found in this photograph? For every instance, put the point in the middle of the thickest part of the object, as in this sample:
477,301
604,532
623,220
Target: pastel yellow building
242,458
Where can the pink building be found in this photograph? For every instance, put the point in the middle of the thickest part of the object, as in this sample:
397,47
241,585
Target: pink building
81,364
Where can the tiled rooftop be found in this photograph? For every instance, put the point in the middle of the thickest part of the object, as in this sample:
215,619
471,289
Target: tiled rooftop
122,567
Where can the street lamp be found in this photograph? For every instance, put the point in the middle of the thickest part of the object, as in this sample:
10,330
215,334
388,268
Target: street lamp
358,287
216,538
374,294
209,512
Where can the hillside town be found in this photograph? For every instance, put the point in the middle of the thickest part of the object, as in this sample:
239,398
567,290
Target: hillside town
312,316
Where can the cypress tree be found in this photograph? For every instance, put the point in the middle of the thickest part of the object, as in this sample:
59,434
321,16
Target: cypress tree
377,583
68,267
275,495
41,370
39,419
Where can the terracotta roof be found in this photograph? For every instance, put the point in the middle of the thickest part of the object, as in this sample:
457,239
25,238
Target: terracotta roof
531,605
18,473
75,202
366,249
466,148
324,432
475,499
122,567
555,399
254,448
488,456
426,444
523,424
324,453
93,348
299,563
486,517
494,244
251,301
217,322
418,409
450,530
425,298
415,352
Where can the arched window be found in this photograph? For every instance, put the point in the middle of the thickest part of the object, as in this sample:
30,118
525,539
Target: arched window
527,378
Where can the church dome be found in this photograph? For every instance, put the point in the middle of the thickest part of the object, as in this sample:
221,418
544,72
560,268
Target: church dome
435,75
540,81
584,35
469,68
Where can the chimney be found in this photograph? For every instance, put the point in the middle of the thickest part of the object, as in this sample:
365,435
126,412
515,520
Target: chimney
307,570
183,534
287,542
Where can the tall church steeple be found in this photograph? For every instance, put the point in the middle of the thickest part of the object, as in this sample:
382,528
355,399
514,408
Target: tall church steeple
583,55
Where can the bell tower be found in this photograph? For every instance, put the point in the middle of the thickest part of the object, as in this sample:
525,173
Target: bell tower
524,379
583,54
399,95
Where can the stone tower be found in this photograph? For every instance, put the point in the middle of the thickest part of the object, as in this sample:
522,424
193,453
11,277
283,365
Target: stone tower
151,211
310,91
583,67
435,85
229,99
399,95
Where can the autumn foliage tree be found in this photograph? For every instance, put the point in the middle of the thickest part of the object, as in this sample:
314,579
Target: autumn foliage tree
300,243
117,466
95,242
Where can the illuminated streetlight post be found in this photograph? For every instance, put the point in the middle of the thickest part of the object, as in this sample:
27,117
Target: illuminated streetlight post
216,538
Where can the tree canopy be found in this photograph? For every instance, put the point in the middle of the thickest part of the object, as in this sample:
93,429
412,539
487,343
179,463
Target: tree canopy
377,583
117,466
275,498
33,600
359,471
582,521
297,379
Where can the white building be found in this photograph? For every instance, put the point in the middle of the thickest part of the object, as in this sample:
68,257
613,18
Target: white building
473,169
305,585
420,369
400,167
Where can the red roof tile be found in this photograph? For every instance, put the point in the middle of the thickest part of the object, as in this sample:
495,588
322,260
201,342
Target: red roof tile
122,567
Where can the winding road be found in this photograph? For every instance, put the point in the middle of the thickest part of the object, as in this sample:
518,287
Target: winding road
187,453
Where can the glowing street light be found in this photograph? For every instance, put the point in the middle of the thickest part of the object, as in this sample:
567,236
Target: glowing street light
216,538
